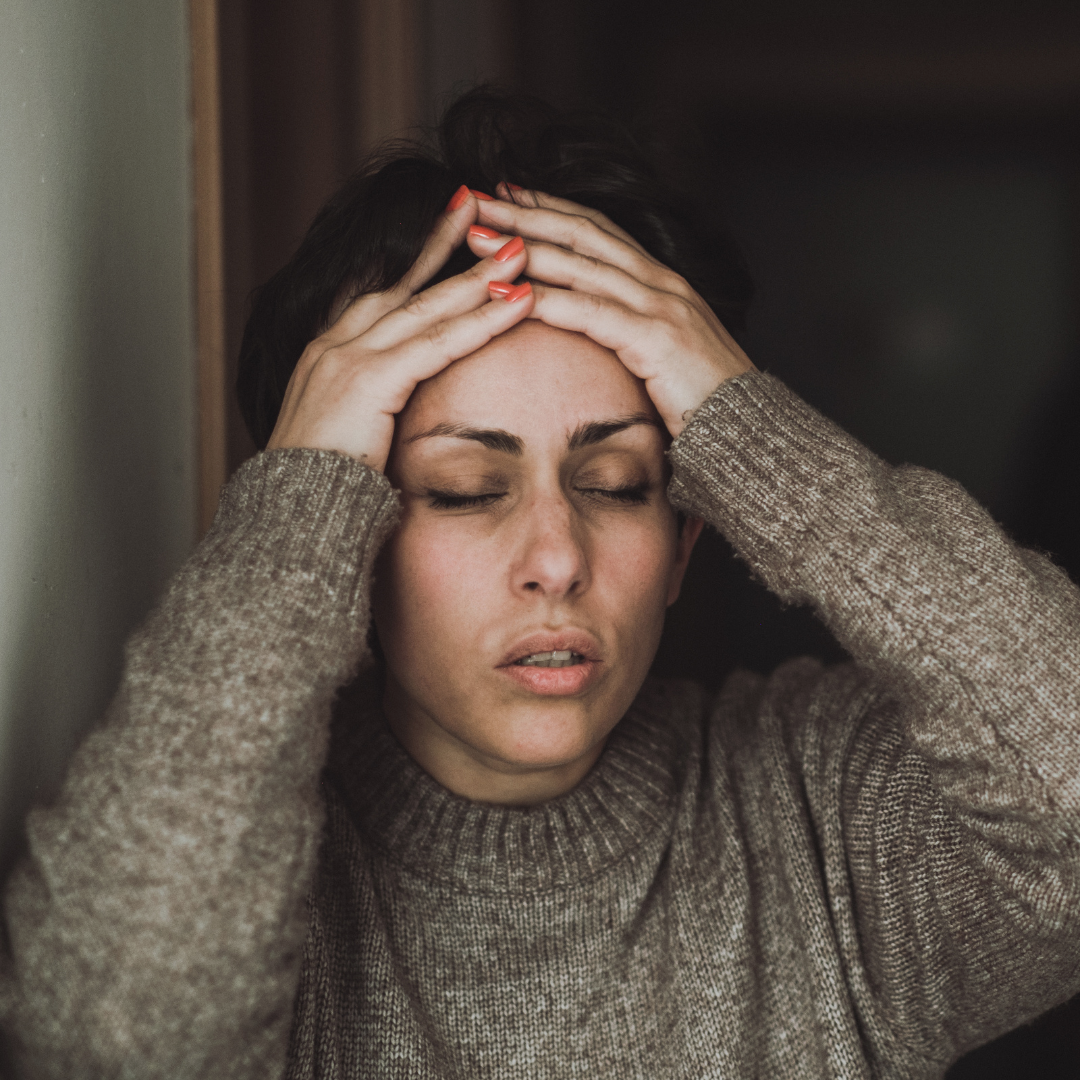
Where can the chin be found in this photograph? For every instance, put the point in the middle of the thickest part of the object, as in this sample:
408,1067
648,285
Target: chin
546,739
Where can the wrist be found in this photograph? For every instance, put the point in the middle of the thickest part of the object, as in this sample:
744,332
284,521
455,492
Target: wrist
354,441
695,391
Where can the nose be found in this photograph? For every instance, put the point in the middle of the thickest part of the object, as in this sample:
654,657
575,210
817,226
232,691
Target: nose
551,559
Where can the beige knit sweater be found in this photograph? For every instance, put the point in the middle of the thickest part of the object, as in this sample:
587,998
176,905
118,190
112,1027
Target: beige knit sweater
828,873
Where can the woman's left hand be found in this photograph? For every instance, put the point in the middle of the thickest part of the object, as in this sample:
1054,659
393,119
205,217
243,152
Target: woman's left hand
610,288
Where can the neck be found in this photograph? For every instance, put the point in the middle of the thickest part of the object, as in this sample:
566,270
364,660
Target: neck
468,771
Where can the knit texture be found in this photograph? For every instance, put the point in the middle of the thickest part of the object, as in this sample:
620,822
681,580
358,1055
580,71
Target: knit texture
155,928
855,872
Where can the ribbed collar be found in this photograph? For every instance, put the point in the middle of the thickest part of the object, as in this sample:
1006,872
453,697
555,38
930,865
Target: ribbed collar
479,848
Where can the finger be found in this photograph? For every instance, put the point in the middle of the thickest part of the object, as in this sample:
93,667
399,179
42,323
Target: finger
440,345
680,360
541,199
508,292
445,239
383,382
607,322
641,340
487,237
361,312
574,231
449,298
382,321
555,265
484,242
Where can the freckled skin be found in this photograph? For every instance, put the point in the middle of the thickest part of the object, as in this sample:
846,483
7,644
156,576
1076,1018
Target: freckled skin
458,587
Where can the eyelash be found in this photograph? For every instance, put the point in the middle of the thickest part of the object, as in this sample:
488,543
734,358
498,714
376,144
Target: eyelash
634,495
631,495
446,500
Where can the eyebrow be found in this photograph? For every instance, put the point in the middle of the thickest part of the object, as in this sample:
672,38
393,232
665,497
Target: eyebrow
598,430
595,431
492,438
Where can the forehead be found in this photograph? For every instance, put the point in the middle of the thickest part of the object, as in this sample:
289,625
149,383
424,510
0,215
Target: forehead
535,380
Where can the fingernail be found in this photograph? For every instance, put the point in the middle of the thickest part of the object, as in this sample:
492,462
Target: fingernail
500,288
522,290
514,187
484,234
480,195
458,199
510,249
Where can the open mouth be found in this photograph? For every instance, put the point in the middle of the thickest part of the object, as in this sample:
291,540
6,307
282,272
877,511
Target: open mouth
569,669
556,659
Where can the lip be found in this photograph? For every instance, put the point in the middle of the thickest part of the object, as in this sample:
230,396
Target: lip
572,639
560,682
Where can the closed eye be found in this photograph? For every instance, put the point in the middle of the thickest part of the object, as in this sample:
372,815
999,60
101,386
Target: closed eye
450,500
632,494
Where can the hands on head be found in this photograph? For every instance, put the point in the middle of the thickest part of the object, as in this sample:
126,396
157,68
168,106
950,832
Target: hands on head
586,275
608,287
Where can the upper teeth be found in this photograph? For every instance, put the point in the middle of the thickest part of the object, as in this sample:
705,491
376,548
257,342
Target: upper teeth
558,658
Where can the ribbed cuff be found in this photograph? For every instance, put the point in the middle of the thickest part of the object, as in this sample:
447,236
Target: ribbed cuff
315,512
768,471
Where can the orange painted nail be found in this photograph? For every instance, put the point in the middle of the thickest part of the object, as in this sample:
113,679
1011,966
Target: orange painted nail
500,288
522,290
514,187
458,199
480,195
510,249
484,234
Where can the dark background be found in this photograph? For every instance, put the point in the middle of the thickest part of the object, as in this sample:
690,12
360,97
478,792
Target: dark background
903,178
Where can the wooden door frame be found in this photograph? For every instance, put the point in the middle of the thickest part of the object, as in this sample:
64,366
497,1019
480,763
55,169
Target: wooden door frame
209,258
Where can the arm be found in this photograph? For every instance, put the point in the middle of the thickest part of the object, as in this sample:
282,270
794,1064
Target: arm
959,794
156,925
948,822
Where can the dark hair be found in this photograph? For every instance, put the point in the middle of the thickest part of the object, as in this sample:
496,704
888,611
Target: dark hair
369,233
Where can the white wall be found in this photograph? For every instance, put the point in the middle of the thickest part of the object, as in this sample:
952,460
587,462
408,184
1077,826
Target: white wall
97,377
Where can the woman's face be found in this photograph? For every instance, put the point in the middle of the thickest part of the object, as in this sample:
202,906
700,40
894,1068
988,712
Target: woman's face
534,521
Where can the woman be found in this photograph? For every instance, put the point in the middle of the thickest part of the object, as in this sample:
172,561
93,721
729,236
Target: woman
510,854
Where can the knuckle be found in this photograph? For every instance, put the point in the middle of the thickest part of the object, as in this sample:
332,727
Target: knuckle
310,357
312,351
400,294
580,224
673,308
596,305
437,337
678,285
419,305
480,271
331,363
602,221
585,268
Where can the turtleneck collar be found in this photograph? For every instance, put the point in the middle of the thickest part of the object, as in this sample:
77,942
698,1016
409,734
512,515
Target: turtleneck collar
483,848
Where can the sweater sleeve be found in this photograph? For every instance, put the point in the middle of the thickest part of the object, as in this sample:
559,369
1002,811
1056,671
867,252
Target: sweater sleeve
155,926
942,785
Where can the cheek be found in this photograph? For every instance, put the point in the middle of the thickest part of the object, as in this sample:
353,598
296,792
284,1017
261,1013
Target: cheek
631,566
428,586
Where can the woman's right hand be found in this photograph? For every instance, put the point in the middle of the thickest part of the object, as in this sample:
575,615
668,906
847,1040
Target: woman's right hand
354,378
